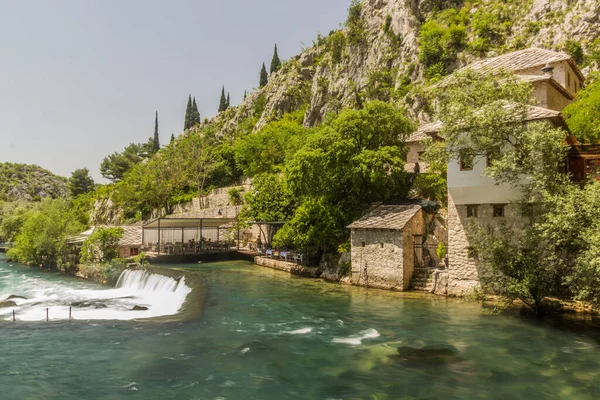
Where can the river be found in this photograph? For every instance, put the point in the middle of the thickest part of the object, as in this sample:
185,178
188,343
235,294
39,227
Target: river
265,335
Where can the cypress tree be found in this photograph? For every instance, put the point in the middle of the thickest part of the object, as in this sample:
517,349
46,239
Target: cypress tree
172,137
264,77
275,62
188,114
195,113
245,94
223,102
228,100
156,142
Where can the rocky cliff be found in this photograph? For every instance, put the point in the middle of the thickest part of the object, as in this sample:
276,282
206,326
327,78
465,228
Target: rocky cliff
389,49
21,182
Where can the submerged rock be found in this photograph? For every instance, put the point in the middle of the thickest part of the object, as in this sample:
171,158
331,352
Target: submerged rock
14,296
7,303
139,308
430,355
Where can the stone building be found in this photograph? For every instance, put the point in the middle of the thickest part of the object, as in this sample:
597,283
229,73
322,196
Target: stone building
471,194
383,243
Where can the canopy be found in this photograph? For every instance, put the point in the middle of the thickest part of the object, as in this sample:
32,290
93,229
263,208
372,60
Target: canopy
166,223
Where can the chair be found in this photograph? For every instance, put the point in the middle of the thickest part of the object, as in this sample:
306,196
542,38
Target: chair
269,253
284,255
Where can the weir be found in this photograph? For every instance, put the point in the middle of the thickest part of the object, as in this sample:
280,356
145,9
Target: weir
138,294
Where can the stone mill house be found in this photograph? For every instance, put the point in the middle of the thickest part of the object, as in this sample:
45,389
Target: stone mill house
385,242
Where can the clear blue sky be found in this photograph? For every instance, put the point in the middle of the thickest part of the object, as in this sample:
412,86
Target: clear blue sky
80,79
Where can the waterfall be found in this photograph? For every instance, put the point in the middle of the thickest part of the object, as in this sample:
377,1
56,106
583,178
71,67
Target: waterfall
154,295
145,281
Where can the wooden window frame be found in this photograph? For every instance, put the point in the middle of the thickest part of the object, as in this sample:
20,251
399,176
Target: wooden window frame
470,209
501,207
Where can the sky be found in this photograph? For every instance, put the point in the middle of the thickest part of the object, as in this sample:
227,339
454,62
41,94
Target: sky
80,79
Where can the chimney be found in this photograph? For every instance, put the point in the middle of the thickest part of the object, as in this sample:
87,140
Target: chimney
548,70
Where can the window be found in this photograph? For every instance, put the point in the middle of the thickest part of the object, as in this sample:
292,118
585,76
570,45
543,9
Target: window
363,244
499,210
467,160
568,79
420,155
472,211
381,245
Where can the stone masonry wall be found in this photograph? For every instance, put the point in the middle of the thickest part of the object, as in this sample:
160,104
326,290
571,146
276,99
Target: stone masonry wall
464,271
387,254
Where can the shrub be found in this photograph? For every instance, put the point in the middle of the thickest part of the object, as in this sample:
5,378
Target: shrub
335,45
575,50
101,246
235,196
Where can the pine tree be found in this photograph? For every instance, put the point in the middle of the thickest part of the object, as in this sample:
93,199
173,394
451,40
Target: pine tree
223,102
228,101
264,77
195,113
172,137
188,114
275,62
156,142
245,94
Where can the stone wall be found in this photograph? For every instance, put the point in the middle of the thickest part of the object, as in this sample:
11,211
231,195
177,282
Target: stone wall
292,268
387,256
464,271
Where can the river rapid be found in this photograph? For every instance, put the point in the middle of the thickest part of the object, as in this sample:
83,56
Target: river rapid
265,335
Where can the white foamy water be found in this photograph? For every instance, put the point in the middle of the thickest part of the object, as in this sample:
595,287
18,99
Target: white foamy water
358,338
160,294
302,331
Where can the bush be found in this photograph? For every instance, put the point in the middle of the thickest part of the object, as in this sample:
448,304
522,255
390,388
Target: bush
101,246
235,196
575,50
335,45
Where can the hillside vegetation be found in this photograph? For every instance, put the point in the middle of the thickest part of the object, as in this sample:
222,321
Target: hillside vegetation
22,182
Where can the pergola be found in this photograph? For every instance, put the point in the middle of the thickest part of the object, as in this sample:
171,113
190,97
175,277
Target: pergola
183,235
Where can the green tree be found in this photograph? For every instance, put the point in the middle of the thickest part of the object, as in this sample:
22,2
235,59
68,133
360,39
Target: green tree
195,113
346,165
228,101
101,246
188,114
264,76
42,237
223,101
156,141
116,165
172,138
81,182
275,62
583,115
245,94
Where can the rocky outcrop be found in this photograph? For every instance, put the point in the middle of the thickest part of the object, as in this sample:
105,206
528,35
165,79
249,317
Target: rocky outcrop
345,68
105,212
22,182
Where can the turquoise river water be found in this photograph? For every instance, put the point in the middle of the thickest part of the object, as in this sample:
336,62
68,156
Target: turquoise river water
265,335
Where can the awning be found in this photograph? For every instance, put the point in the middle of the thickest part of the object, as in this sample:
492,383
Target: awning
174,223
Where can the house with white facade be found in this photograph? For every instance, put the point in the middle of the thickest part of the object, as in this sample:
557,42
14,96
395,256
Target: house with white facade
471,194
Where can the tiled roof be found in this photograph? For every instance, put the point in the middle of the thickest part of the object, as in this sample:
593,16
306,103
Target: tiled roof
525,59
425,131
393,217
132,235
534,114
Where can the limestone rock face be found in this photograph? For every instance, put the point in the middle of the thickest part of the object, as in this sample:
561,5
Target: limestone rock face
315,81
105,212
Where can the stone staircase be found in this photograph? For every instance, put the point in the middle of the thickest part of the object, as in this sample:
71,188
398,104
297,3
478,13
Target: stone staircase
422,279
